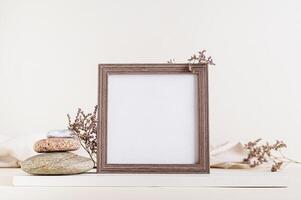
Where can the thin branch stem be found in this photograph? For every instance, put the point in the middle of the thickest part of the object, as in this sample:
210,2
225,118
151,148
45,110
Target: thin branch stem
83,127
89,153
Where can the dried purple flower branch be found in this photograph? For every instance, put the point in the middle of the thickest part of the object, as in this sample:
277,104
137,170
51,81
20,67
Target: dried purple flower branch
267,153
199,58
84,127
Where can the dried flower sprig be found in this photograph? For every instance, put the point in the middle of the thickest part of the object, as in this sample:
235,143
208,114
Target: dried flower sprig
84,127
199,58
170,61
267,153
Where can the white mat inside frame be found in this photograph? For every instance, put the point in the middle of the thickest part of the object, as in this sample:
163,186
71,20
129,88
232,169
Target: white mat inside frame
217,178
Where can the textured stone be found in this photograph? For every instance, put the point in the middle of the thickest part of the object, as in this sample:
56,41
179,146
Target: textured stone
58,163
60,133
56,145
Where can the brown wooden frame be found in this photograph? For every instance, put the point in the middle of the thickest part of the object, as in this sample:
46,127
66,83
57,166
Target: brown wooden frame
201,71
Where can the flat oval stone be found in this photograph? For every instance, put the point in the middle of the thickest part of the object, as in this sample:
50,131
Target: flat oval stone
59,163
56,145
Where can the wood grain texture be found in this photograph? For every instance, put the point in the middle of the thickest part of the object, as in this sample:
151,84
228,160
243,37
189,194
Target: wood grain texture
201,71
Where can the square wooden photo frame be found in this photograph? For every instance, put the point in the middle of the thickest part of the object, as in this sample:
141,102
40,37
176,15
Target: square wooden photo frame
153,118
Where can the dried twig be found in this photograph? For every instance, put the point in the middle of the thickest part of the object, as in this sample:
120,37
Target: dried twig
267,153
199,58
84,127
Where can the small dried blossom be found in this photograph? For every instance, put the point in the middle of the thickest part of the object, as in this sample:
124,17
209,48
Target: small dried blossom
170,61
84,127
201,58
266,153
276,166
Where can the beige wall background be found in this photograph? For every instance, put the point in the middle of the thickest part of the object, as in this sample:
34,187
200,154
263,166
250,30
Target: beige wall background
49,51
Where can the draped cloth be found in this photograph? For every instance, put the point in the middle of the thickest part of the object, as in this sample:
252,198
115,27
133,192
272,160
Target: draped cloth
228,155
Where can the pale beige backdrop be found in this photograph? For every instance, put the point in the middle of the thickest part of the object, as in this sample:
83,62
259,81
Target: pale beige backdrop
49,51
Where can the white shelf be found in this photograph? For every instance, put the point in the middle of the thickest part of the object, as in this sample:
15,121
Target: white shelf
217,178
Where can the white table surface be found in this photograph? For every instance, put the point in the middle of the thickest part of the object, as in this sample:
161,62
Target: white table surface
139,189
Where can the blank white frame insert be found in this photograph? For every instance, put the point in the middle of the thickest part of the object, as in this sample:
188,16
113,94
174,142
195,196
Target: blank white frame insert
152,119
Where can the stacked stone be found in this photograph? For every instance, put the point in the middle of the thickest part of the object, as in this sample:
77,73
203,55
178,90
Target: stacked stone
55,157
